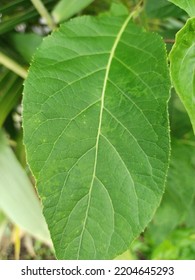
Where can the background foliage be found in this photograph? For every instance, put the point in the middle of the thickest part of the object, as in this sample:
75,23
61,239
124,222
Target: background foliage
23,231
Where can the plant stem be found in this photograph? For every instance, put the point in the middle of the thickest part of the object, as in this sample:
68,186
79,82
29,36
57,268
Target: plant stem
12,65
138,9
170,41
17,242
44,13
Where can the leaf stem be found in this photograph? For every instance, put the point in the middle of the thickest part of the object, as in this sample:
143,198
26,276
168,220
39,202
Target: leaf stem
44,13
17,242
169,41
138,8
12,65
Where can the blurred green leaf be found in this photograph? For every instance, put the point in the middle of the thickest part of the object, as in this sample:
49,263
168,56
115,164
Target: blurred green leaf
2,217
125,256
182,60
179,120
165,251
17,197
19,12
190,219
162,9
10,91
25,43
179,246
179,192
67,8
187,5
11,5
3,223
118,9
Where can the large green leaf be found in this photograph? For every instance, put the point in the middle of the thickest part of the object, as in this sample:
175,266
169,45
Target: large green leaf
17,196
182,67
187,5
179,193
96,133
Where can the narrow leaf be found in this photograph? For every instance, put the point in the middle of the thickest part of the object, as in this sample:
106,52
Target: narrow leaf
182,60
3,223
187,5
96,132
17,197
10,91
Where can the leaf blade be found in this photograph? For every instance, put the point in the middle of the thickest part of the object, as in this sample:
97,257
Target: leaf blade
99,104
18,199
66,9
187,5
179,193
182,67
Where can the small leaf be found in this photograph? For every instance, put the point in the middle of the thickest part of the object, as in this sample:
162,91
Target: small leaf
182,60
68,8
17,197
96,133
187,5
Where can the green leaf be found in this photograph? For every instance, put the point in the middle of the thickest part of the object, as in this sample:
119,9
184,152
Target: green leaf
179,193
25,43
179,246
3,223
181,126
182,67
118,9
10,91
17,196
96,133
68,8
161,9
187,5
19,11
190,219
125,256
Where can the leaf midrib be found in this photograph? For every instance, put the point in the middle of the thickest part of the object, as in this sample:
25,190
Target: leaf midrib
118,37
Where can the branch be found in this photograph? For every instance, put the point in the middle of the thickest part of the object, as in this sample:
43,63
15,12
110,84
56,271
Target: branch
44,13
12,65
171,41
